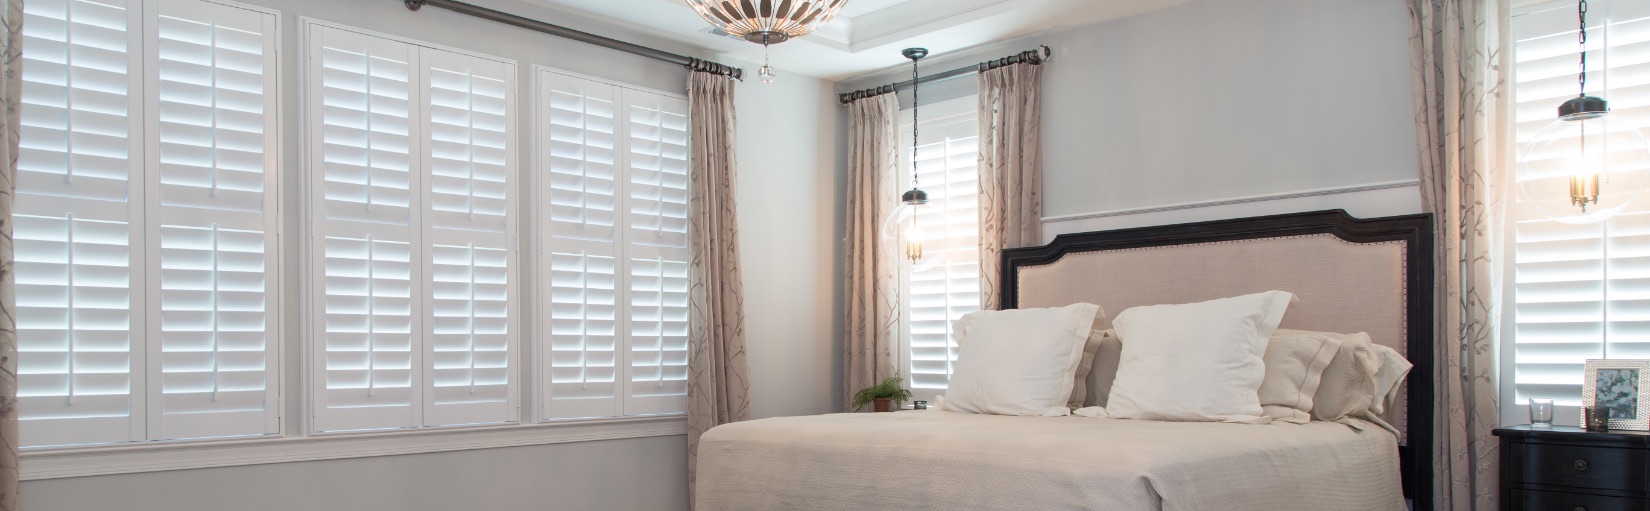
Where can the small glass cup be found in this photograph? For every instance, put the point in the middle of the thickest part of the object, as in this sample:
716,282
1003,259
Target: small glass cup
1541,413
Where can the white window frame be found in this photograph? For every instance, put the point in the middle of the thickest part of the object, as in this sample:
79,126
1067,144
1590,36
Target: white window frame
143,185
1513,410
935,113
294,443
420,223
538,230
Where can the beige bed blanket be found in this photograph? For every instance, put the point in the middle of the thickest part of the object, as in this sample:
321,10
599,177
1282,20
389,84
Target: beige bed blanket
946,460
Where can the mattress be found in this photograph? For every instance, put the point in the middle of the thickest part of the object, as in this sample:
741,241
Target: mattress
946,460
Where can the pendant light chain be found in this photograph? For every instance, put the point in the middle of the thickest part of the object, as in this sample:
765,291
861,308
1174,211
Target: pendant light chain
1581,10
914,139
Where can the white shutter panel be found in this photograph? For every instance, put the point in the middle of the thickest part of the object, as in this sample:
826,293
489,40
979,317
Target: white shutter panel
364,240
657,253
79,365
1580,291
471,353
215,333
578,194
938,296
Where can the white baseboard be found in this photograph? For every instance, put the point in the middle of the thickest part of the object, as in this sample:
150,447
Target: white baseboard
1362,201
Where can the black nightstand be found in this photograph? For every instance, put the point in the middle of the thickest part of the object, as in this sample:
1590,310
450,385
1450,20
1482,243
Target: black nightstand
1570,469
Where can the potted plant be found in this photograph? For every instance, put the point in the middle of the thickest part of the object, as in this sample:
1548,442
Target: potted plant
882,396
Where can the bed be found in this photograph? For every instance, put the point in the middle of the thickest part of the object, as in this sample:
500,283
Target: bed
1351,275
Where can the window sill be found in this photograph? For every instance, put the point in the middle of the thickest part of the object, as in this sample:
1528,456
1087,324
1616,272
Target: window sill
129,459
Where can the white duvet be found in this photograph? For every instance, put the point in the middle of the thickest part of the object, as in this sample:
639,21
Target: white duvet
946,460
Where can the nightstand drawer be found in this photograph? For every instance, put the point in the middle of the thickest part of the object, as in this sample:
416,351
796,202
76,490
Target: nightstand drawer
1532,500
1583,467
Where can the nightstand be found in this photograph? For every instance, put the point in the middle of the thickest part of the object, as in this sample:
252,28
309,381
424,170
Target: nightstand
1570,469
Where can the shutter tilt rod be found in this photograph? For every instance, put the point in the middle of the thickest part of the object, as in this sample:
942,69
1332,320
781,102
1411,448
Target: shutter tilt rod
583,37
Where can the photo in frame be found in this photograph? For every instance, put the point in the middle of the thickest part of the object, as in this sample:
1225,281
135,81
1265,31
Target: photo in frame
1616,387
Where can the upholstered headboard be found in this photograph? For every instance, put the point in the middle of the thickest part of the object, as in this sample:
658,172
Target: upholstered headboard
1351,275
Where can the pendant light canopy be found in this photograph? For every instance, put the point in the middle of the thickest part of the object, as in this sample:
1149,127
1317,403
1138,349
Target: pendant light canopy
902,227
1587,165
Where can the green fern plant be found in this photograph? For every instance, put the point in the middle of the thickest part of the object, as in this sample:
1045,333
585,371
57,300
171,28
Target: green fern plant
889,388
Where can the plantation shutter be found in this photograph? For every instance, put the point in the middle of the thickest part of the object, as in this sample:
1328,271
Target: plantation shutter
657,251
365,244
80,375
471,349
1579,290
947,159
212,222
579,246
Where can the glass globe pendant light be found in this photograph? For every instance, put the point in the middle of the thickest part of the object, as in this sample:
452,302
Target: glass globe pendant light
1587,165
904,227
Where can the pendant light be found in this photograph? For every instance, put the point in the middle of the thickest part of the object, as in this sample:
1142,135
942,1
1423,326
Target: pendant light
902,227
1587,165
767,22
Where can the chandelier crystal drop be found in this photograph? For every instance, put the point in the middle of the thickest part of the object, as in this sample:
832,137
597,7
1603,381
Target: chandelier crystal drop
1587,165
767,21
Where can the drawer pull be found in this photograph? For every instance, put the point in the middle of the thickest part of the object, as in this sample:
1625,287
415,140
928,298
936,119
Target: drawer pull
1579,508
1581,466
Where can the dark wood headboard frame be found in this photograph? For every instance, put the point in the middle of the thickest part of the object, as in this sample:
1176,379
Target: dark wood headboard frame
1415,230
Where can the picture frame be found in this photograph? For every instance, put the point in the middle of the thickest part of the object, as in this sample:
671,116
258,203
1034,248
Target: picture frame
1619,388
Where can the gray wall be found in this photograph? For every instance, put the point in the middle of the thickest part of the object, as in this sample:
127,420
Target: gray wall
1214,99
788,199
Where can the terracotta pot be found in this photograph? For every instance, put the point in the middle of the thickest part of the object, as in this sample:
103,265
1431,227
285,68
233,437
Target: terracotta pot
883,404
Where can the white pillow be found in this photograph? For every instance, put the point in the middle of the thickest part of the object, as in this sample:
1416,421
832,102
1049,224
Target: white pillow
1195,362
1389,379
1018,361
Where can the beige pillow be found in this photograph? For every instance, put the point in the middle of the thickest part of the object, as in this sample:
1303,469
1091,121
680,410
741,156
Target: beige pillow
1080,384
1105,368
1389,379
1294,367
1347,387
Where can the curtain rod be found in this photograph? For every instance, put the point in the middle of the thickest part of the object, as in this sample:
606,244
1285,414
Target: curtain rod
1040,55
583,37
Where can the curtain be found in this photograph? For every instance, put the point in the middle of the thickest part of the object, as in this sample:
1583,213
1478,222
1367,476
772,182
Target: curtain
1459,61
718,377
873,283
11,87
1011,168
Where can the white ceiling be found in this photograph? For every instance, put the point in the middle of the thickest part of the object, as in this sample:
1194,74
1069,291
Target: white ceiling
868,34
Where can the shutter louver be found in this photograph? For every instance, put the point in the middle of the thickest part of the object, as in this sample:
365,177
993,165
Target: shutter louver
471,348
580,245
938,296
213,350
1580,291
657,252
363,236
79,365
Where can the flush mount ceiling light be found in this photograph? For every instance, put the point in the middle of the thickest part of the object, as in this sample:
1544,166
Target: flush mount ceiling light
767,22
1587,165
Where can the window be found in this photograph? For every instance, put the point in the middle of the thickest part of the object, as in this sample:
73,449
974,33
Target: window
411,239
612,255
145,214
947,160
1580,291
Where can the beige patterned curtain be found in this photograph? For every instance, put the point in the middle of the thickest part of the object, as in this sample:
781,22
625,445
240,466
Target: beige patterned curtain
1011,168
718,377
11,83
1459,63
873,283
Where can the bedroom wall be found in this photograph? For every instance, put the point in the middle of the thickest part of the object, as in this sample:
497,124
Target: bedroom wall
1217,109
788,196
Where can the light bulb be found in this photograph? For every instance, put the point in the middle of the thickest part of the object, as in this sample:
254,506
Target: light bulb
901,229
1583,169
